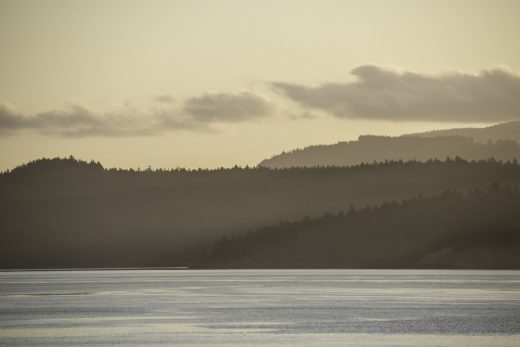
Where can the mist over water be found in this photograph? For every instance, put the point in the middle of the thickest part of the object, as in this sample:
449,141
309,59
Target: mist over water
260,307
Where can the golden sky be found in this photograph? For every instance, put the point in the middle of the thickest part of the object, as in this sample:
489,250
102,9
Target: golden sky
134,83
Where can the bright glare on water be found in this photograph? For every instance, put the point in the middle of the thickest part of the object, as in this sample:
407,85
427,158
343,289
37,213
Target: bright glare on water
260,307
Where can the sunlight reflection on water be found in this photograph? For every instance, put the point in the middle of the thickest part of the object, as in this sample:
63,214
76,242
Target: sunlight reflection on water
259,307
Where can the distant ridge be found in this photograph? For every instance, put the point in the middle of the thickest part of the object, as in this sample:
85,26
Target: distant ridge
65,213
451,230
369,148
503,131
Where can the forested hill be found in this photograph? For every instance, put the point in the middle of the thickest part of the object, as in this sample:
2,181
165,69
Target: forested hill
504,131
380,148
69,213
451,230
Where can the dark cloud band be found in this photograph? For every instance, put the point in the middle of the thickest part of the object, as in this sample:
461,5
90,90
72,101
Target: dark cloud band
199,114
224,107
386,94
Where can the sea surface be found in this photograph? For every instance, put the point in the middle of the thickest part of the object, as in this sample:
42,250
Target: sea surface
260,308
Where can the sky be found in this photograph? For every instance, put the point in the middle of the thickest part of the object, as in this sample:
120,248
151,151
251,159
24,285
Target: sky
135,83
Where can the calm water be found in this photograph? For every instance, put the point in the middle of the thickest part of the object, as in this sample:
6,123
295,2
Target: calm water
260,307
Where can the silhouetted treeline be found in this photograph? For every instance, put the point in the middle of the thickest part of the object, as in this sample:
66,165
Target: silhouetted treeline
451,230
380,148
69,213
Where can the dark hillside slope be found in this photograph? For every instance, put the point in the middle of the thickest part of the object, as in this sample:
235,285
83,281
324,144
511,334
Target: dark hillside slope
504,131
67,213
480,230
368,149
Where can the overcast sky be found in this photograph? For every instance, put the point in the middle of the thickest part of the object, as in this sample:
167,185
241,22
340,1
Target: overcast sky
217,83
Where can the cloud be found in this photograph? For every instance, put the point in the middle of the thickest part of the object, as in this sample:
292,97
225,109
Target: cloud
388,94
10,118
75,115
78,120
222,107
199,114
165,98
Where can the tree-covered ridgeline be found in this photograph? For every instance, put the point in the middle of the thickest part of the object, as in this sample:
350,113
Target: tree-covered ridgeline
372,148
70,213
480,229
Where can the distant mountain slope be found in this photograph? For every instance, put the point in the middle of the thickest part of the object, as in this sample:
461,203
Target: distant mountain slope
504,131
368,149
68,213
452,230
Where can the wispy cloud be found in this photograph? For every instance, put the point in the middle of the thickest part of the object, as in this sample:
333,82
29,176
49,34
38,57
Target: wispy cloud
199,113
165,98
225,107
77,119
491,95
389,94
